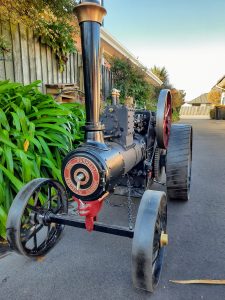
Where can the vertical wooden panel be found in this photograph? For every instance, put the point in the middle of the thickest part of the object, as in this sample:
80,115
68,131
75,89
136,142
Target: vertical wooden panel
31,55
75,67
37,50
49,65
64,74
60,77
68,80
44,66
54,69
16,52
2,64
8,57
2,68
24,54
72,68
79,70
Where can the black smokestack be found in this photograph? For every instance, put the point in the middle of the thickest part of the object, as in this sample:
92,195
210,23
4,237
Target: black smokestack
90,16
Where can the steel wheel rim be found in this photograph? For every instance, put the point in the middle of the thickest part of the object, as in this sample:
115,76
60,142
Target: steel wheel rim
189,168
163,118
167,121
53,231
26,230
161,223
147,249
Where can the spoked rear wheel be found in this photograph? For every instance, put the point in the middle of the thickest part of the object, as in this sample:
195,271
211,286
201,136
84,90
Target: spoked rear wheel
27,235
149,240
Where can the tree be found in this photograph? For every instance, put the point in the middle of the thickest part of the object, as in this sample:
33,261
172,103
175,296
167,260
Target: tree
178,97
27,10
162,74
214,96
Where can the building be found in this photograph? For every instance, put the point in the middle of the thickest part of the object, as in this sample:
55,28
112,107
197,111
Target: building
198,108
202,101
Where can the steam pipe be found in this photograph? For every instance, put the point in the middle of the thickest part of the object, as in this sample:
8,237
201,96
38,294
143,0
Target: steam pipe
90,16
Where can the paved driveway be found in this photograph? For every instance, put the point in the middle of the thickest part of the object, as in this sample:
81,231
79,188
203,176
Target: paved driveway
97,266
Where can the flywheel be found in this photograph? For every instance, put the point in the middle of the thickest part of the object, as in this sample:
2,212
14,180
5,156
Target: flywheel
163,118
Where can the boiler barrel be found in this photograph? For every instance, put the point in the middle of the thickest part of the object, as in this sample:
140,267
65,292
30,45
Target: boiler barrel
100,168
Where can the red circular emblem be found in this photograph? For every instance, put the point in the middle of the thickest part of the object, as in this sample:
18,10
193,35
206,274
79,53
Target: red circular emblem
92,168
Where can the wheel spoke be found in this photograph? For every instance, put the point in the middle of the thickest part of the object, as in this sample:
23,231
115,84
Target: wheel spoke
35,240
32,232
47,237
155,258
49,196
36,198
167,112
31,207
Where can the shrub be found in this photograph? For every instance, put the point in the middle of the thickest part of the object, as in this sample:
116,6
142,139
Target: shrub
175,115
35,133
213,113
131,81
218,112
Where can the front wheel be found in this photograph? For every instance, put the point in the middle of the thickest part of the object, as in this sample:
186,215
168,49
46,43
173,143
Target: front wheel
25,233
149,240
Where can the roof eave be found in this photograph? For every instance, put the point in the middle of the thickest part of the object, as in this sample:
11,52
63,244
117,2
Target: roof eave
108,38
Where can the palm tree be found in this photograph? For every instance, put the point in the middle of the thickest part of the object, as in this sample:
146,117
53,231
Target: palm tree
162,74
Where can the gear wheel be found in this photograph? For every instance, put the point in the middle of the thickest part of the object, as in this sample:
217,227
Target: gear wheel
159,164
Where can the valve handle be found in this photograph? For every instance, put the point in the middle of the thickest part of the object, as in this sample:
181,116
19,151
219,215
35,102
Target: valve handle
78,179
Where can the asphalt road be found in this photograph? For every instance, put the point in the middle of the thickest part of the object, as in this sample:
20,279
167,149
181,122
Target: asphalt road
97,266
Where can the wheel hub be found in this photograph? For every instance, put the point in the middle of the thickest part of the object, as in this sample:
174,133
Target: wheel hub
164,240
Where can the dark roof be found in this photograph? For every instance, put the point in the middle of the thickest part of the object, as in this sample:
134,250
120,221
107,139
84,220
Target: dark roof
200,100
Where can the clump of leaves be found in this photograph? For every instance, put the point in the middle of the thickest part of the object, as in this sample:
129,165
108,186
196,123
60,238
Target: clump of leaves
35,134
4,45
27,10
131,81
58,35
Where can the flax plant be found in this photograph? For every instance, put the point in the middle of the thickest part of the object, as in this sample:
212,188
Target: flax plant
35,134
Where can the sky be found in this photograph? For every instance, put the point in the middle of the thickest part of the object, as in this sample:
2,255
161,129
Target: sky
185,36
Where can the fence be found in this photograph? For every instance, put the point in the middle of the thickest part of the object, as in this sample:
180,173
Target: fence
30,60
195,112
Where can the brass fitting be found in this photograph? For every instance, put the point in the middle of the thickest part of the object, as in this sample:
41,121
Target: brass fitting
88,11
164,239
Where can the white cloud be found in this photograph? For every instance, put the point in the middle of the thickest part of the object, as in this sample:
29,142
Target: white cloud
195,69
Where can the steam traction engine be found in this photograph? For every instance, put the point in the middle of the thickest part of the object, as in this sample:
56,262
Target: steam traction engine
125,146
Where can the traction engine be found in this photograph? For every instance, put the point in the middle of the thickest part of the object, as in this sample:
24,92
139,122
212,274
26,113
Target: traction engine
124,150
